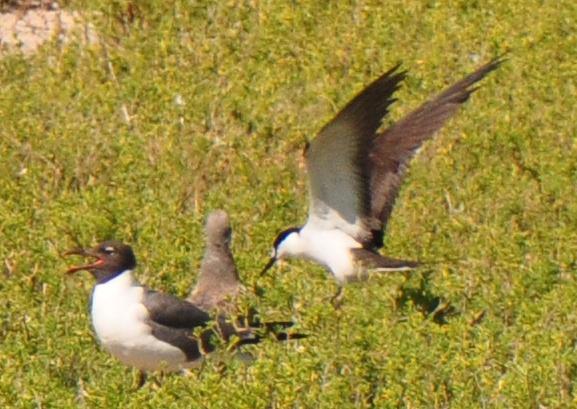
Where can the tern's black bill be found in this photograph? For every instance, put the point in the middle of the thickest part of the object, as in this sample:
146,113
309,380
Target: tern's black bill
268,266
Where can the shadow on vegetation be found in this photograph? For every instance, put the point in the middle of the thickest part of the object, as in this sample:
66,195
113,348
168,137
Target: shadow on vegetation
431,305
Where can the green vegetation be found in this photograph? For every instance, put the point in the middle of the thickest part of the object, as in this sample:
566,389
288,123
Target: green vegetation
202,105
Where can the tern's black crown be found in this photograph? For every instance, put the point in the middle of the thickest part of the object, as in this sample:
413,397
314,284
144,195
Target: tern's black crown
283,235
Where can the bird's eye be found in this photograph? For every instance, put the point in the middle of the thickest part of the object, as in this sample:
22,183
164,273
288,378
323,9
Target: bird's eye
109,250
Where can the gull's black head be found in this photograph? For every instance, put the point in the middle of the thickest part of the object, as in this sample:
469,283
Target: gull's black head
282,246
112,258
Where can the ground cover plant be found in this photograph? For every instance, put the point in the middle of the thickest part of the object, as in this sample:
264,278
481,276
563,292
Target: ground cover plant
185,107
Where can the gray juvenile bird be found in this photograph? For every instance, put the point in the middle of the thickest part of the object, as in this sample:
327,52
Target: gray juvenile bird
218,283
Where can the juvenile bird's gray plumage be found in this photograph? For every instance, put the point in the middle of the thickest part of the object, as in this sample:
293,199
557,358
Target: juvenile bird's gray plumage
355,174
218,283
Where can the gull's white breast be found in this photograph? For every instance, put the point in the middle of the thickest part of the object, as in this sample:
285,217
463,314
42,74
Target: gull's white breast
120,321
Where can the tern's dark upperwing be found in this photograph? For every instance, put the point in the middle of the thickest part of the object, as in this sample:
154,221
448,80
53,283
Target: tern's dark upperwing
393,149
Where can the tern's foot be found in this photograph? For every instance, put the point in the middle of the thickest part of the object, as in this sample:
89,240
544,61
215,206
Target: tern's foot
140,380
338,299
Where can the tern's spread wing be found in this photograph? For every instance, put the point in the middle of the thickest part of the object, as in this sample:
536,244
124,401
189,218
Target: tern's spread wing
337,160
394,148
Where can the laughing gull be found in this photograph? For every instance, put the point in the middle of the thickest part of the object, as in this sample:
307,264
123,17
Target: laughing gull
355,175
151,331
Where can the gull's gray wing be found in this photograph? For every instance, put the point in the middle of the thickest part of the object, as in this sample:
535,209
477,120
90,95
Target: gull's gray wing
393,149
188,327
337,162
171,311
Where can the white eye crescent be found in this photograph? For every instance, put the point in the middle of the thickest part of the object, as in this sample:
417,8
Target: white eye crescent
109,249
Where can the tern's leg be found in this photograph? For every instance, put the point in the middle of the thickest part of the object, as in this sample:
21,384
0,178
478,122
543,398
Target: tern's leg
221,369
338,299
140,379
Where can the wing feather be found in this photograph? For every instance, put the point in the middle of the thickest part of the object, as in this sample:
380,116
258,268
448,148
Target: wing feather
393,149
337,159
170,311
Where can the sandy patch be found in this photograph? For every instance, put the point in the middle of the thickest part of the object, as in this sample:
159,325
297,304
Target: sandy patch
27,26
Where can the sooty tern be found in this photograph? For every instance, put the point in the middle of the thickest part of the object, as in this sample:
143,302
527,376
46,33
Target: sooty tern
152,331
355,175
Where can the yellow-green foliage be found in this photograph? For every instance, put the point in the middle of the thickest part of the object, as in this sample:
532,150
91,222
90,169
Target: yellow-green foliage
187,106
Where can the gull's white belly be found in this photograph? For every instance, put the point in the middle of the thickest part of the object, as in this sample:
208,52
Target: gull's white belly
119,320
